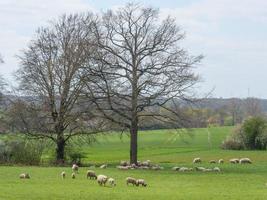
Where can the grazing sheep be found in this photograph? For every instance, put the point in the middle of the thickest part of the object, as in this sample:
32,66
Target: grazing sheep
185,169
197,160
176,168
124,163
102,179
216,169
220,161
157,167
103,166
73,176
143,167
123,167
63,175
234,160
245,161
111,182
91,174
212,161
141,182
146,163
75,168
24,176
131,180
202,169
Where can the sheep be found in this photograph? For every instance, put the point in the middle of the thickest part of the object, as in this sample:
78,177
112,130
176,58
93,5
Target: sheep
200,169
75,168
141,182
157,167
245,161
123,167
102,179
146,163
212,161
176,168
63,175
24,176
111,182
234,160
91,174
130,180
197,160
216,169
220,161
124,163
73,176
207,170
185,169
103,166
143,167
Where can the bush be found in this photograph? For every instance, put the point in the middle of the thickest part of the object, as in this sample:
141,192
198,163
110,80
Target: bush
19,151
252,134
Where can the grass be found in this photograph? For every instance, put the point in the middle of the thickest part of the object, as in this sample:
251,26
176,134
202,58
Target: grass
246,182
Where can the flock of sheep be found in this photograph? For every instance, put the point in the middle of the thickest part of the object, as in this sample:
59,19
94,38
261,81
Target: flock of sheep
103,179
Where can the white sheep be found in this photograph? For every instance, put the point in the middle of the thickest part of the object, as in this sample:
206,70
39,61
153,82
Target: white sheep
130,180
123,167
212,161
220,161
124,163
111,182
73,176
146,163
175,168
207,170
202,169
234,160
91,174
24,176
63,175
184,169
245,161
75,168
157,167
197,160
103,166
102,179
216,169
141,182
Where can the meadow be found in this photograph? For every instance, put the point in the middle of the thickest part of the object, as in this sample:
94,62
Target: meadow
166,147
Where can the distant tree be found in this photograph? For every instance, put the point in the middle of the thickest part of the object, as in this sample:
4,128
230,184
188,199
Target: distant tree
51,78
141,65
252,107
235,110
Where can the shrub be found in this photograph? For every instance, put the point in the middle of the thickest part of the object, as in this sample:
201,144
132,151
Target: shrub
252,134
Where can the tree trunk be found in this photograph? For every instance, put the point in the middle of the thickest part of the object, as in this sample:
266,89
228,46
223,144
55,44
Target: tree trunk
60,151
133,147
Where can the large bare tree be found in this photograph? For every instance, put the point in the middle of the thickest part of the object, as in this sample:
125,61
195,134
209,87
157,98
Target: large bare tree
51,78
140,65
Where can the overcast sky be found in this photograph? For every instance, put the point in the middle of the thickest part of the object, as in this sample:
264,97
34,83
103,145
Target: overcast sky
231,34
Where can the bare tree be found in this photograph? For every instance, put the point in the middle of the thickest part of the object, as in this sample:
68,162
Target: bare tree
235,109
140,65
51,79
252,107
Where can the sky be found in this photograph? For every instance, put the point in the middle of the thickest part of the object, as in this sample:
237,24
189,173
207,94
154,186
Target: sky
231,34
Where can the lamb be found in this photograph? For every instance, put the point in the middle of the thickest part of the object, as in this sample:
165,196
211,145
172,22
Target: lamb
141,182
24,176
111,182
130,180
245,161
197,160
216,169
212,161
63,175
91,174
103,166
234,160
75,168
102,179
220,161
73,175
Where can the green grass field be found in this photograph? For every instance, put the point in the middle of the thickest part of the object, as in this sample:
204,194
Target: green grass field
167,148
